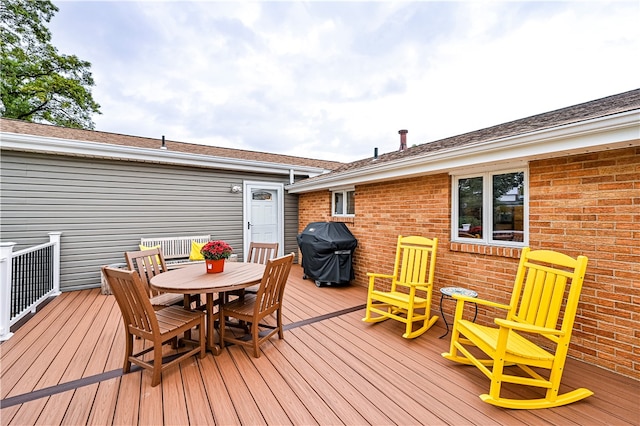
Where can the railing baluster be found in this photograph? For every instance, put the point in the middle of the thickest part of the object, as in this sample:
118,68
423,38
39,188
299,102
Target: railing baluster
27,278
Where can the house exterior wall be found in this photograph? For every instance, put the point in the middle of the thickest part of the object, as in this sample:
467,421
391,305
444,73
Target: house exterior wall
584,204
103,207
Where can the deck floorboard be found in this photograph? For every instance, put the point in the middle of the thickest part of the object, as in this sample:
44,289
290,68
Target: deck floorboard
64,366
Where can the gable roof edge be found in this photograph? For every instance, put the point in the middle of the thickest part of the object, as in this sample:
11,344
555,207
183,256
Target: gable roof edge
51,145
607,132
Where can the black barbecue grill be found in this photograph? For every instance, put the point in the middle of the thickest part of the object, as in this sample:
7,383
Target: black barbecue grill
327,252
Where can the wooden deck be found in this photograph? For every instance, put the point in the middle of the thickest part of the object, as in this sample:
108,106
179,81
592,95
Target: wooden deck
64,367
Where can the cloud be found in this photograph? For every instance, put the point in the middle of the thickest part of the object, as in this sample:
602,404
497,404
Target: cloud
333,80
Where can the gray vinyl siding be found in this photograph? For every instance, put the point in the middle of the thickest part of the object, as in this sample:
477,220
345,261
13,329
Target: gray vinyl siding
290,223
104,207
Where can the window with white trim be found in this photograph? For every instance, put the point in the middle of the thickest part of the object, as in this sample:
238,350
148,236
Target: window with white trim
490,208
343,203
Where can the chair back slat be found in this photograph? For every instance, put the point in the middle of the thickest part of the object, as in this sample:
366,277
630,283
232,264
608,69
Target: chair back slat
148,264
548,284
132,298
415,261
271,290
261,252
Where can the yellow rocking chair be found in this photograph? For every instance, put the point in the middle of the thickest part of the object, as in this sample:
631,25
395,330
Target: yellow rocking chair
543,305
408,299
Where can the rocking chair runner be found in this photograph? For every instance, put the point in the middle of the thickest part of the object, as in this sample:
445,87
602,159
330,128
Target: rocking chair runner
409,298
537,302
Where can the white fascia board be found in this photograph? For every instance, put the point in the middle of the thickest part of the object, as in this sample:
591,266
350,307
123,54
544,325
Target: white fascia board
609,132
42,144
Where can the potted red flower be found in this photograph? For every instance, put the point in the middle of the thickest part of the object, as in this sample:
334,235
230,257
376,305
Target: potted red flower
214,253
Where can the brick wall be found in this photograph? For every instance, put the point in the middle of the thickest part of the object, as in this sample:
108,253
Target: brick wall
590,204
587,204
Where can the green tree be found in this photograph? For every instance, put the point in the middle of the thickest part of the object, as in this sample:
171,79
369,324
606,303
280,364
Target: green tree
38,83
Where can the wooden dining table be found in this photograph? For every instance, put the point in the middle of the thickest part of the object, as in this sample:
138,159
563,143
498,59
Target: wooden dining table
194,279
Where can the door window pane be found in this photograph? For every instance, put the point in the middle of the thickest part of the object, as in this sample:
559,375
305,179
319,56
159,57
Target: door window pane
261,195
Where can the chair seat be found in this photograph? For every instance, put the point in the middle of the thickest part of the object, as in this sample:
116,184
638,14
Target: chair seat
167,299
396,297
175,317
516,344
242,306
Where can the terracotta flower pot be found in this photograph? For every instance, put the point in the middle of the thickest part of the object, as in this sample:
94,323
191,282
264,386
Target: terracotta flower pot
214,266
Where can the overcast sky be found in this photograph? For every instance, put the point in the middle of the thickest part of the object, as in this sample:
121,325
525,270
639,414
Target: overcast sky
334,80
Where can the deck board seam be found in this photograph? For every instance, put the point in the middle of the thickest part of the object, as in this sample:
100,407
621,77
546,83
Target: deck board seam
62,387
323,317
108,375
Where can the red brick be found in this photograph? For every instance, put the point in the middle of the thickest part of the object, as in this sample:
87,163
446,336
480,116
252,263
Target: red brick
584,204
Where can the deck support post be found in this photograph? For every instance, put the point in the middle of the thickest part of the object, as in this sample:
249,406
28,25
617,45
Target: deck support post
6,251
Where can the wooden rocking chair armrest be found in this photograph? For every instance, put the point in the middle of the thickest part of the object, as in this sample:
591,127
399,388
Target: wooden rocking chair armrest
463,298
529,328
410,284
421,287
374,275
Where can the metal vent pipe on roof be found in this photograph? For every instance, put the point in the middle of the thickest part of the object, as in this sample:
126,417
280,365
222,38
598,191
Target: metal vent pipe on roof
403,139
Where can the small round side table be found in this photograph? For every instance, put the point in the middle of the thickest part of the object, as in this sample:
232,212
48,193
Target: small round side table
449,292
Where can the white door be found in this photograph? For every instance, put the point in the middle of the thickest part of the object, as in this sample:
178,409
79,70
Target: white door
264,214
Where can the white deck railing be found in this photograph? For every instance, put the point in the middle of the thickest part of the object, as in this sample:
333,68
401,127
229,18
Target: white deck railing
27,278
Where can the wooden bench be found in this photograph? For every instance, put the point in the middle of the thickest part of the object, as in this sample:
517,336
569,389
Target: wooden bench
175,250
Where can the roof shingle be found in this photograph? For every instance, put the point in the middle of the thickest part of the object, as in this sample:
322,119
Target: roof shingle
46,130
609,105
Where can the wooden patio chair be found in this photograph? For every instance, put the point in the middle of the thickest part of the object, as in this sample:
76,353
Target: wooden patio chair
149,263
258,253
543,306
261,252
254,309
158,326
408,297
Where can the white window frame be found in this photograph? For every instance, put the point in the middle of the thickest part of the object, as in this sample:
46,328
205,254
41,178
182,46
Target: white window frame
487,208
344,192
